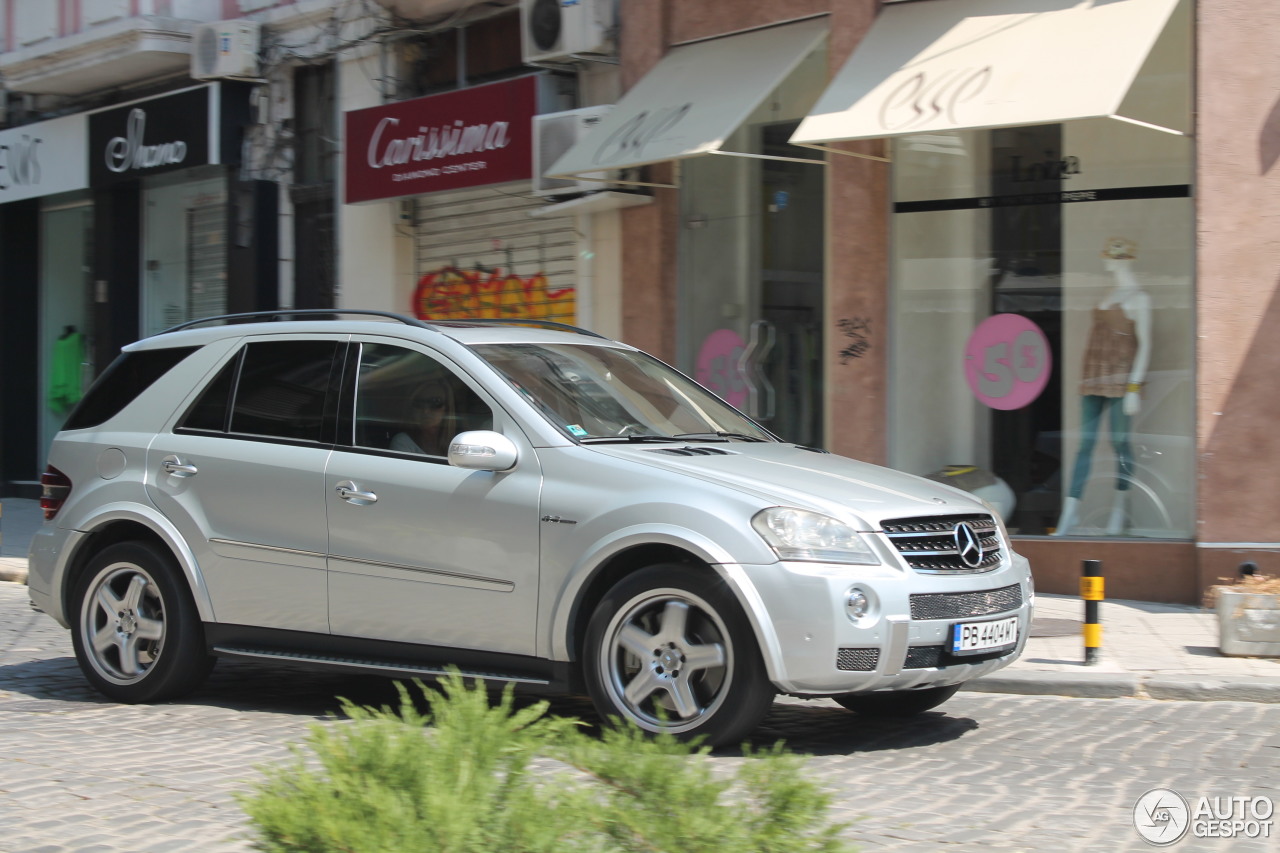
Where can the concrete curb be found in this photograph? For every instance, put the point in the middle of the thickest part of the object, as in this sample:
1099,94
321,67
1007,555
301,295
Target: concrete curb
1109,685
1088,685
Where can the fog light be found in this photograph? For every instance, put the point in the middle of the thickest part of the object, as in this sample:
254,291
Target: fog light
857,603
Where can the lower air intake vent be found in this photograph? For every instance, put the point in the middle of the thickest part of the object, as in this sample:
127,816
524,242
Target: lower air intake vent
857,660
964,605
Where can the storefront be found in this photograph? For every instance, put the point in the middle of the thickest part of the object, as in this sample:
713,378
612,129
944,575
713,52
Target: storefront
161,167
460,164
46,229
750,245
116,224
1042,302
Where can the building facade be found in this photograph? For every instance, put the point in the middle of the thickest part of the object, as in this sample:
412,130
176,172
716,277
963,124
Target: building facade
1020,246
1035,260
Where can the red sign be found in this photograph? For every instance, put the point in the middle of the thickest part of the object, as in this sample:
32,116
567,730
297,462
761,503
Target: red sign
468,138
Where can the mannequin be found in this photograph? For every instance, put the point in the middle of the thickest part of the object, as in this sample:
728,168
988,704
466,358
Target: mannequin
1115,367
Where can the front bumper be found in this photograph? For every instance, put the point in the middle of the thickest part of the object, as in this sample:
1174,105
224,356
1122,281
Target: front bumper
812,646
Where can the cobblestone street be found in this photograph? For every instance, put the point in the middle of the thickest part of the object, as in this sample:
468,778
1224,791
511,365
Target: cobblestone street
988,771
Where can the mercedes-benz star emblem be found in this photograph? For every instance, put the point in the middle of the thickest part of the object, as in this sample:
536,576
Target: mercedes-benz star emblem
968,545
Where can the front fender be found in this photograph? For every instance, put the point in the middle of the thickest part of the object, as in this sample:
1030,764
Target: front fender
82,535
580,577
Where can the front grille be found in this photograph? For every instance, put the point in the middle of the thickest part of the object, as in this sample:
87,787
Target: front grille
931,543
963,605
857,660
922,657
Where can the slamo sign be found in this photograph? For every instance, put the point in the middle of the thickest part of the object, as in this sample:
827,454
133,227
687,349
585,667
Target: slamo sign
468,138
154,136
130,152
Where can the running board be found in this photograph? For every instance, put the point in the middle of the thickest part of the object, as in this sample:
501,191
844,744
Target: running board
381,667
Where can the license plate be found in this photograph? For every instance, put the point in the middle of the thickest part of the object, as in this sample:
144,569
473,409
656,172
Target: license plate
971,638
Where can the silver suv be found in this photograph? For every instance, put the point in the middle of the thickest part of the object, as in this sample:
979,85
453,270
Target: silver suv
530,504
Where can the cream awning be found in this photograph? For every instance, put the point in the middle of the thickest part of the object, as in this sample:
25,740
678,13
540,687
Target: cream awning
967,64
692,100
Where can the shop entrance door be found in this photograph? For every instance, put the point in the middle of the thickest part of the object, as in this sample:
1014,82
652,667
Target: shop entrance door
65,315
751,282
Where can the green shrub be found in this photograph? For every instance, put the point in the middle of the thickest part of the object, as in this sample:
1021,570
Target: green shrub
384,782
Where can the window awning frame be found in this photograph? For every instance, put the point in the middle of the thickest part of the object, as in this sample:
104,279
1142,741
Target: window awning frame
922,64
691,102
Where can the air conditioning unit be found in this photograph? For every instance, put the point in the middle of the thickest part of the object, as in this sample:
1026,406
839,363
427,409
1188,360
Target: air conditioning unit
225,50
563,30
556,133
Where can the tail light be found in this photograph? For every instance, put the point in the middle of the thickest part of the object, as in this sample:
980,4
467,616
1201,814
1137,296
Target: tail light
54,488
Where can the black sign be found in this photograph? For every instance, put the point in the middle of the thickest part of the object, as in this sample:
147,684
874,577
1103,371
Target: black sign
1061,197
149,137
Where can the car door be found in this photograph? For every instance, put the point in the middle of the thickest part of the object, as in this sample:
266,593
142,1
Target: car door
421,551
241,475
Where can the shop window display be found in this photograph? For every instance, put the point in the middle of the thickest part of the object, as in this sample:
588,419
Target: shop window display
1047,309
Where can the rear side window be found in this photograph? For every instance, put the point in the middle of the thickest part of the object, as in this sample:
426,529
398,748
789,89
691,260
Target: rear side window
274,389
121,383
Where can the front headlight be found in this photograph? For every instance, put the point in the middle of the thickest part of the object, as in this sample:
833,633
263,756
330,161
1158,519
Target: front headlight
797,534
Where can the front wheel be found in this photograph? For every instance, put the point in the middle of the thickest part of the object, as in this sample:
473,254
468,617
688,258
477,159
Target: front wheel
137,635
668,649
897,703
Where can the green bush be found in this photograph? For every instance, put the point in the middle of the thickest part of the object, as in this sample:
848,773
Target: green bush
385,782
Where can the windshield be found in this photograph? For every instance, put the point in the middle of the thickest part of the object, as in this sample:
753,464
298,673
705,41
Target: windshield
598,394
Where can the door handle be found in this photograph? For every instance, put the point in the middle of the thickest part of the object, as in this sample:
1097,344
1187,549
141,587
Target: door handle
351,493
175,466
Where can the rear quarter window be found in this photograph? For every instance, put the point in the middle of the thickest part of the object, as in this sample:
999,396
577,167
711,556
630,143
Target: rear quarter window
121,383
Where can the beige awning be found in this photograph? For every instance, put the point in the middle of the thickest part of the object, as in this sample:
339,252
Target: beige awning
692,100
951,65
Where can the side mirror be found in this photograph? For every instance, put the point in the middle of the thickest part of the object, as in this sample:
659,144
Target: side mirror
482,450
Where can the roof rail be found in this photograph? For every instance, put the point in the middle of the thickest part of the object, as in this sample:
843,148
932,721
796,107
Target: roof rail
328,313
292,313
514,321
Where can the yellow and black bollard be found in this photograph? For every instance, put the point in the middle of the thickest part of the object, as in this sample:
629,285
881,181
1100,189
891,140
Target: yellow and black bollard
1091,590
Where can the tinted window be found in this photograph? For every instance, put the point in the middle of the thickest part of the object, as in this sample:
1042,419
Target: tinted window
409,402
118,386
214,405
282,389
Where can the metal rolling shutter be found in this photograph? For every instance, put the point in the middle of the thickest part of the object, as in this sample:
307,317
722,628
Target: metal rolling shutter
480,254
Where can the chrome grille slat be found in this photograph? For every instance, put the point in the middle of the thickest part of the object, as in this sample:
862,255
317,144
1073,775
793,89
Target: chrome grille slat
965,605
928,544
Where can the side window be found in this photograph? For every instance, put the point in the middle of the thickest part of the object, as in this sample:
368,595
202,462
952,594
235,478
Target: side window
126,377
282,389
410,403
213,406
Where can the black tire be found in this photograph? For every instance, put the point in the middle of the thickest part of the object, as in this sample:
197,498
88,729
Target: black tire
897,703
135,629
668,649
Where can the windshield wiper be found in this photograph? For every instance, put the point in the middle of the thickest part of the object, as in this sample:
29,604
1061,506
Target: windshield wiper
607,439
721,435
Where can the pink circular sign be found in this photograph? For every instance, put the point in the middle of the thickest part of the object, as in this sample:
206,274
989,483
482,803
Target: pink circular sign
1007,361
718,366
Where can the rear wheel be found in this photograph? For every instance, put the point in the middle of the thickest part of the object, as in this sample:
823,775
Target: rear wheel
669,650
897,703
137,635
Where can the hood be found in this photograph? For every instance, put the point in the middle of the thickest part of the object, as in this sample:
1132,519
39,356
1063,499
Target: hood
786,475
